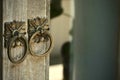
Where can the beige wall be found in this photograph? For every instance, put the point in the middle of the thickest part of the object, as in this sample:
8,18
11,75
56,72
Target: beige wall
61,27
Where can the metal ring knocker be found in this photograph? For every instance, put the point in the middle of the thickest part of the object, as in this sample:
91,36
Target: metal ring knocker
40,42
17,44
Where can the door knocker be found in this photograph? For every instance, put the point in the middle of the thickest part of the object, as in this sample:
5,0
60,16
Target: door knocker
40,40
15,41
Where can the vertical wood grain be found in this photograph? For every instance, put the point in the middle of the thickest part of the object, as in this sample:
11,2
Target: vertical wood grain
39,8
32,68
14,10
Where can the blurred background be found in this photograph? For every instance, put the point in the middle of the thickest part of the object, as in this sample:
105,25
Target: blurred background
61,22
62,14
86,40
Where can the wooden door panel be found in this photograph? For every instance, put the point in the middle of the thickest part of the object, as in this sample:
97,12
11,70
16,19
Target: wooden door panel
33,67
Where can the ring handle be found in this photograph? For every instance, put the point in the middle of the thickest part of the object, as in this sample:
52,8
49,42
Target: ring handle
17,43
43,43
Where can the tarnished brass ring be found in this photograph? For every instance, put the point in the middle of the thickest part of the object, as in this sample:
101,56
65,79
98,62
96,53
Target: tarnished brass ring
10,45
45,35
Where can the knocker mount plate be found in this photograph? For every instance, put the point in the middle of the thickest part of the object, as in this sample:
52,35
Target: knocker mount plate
40,40
15,41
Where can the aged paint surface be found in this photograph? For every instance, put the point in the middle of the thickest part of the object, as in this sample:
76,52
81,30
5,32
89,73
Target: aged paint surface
37,8
32,68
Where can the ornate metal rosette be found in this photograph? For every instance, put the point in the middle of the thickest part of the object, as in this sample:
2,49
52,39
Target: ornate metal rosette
15,41
40,41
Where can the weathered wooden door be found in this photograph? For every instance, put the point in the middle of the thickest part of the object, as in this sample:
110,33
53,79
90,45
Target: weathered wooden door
25,41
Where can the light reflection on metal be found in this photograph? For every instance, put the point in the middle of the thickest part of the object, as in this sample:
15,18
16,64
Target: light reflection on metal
40,40
15,41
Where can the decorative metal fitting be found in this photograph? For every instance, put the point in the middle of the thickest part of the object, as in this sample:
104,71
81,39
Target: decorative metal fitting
40,40
15,40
